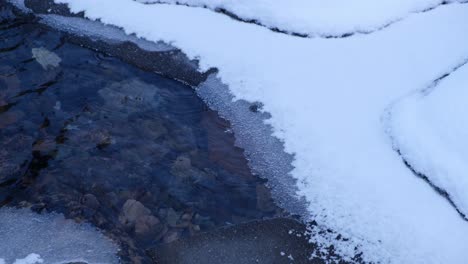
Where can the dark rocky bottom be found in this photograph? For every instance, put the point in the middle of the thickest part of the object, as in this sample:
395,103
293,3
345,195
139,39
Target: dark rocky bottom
137,155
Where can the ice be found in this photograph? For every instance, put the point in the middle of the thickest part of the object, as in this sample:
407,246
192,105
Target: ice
264,153
20,5
326,99
315,17
429,128
50,238
30,259
98,31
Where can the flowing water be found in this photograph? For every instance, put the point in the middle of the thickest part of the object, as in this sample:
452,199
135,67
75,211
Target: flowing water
135,154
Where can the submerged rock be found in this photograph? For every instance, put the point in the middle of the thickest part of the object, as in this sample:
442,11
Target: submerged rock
132,210
268,241
46,58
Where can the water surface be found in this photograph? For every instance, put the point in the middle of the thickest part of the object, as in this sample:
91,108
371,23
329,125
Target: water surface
137,155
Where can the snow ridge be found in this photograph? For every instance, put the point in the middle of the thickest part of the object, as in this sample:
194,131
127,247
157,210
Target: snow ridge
225,8
408,155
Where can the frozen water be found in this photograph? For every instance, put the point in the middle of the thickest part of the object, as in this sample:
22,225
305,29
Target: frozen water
265,153
98,31
20,5
51,238
30,259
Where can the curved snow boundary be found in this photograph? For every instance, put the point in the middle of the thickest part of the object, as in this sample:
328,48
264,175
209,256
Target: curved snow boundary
52,237
429,129
309,19
325,98
264,153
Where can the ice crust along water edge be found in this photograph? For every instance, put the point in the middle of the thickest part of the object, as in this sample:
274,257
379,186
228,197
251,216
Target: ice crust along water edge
52,239
326,99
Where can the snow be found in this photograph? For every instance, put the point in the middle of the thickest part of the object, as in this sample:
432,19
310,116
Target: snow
316,18
264,153
30,259
327,99
430,129
52,239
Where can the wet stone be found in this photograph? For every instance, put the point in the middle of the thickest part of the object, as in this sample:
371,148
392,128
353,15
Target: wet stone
146,224
132,211
46,58
89,200
181,167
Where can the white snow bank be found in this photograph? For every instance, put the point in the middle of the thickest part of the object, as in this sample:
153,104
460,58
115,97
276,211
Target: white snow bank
52,238
430,129
317,18
326,98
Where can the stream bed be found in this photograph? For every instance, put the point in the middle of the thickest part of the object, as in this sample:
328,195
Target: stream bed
133,153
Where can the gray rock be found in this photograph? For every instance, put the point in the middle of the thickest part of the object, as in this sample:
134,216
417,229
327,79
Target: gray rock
132,210
147,224
90,201
182,167
171,236
130,95
172,217
46,58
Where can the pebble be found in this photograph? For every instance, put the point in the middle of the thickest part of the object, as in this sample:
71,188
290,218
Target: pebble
90,201
171,236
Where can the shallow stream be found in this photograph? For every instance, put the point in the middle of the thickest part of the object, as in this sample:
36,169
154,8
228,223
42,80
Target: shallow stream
135,154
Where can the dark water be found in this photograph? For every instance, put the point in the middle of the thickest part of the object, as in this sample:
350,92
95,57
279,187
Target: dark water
92,133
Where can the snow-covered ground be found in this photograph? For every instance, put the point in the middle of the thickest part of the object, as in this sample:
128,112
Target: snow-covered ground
314,18
430,129
328,100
